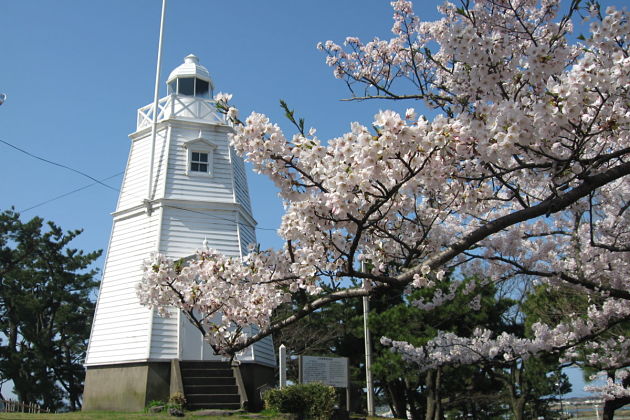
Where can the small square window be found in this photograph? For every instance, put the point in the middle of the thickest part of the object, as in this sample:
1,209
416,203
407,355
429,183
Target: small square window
199,157
199,162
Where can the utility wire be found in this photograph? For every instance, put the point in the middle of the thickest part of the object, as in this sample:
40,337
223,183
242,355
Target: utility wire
70,192
97,181
217,217
59,164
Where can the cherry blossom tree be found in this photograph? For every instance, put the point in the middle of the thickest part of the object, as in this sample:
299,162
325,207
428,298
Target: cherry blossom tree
522,176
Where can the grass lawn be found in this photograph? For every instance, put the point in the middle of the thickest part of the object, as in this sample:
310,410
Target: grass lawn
110,415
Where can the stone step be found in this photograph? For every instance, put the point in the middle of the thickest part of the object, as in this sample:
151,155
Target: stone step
209,385
205,364
208,388
208,380
221,406
212,399
208,373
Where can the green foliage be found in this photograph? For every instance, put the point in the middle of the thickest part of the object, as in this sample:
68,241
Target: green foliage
155,403
46,311
177,400
470,389
290,114
488,390
307,401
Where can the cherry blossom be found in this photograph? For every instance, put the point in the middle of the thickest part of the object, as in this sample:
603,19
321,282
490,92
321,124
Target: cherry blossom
522,176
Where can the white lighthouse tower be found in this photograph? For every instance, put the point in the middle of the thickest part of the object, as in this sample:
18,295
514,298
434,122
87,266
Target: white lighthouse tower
182,189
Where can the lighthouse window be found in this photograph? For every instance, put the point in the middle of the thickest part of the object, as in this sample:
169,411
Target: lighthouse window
187,86
202,88
199,162
172,87
199,157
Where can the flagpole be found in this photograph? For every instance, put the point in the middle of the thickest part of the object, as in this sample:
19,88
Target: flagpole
156,93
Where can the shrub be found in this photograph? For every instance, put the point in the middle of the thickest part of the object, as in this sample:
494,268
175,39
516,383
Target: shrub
177,399
307,401
155,406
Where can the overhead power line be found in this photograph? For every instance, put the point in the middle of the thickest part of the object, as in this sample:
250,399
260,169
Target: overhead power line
217,217
100,181
70,192
58,164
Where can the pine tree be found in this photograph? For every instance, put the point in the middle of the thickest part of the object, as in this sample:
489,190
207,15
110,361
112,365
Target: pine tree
46,308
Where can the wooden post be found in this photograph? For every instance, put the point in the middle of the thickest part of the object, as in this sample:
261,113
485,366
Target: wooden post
300,376
283,366
348,389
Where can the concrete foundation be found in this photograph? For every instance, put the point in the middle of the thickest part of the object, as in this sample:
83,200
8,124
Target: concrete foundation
126,387
256,378
130,387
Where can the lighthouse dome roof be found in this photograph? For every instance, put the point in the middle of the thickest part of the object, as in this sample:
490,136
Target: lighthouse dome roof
190,68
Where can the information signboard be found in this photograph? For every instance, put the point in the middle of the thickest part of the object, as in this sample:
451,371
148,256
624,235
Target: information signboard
331,371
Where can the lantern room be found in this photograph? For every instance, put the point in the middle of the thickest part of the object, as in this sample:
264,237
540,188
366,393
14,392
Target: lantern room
190,79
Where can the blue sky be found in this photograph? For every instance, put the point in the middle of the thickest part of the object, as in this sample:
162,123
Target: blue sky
75,73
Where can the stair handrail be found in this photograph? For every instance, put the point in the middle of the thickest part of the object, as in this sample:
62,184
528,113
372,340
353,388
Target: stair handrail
242,392
177,383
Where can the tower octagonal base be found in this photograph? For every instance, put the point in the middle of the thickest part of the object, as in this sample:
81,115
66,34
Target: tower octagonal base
126,387
132,386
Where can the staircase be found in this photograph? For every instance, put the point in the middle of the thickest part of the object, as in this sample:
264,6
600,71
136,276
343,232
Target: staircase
210,385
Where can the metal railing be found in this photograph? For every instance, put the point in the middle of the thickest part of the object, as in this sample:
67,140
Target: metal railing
180,107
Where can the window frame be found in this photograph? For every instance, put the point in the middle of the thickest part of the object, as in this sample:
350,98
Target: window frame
173,87
199,145
198,160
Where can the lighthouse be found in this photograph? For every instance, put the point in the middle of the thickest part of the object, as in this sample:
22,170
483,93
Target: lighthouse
183,187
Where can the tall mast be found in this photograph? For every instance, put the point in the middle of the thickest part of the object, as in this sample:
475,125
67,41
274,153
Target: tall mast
155,100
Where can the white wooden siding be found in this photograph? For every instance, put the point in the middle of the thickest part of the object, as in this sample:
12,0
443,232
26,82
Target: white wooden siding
160,163
248,237
186,211
263,350
164,335
217,187
184,230
183,233
121,325
135,186
240,182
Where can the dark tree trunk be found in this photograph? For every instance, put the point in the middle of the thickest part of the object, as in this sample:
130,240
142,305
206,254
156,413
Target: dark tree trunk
610,406
518,408
434,404
396,391
416,404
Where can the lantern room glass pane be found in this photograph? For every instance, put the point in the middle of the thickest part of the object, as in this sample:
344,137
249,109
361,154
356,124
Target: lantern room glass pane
187,86
202,88
172,87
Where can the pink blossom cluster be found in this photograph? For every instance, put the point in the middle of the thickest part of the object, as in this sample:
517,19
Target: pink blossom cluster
220,295
448,348
522,176
615,386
